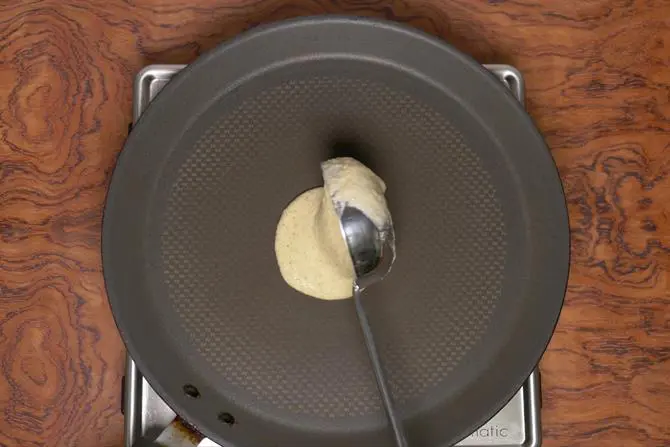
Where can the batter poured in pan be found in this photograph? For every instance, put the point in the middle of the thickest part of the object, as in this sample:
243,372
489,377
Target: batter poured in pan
312,255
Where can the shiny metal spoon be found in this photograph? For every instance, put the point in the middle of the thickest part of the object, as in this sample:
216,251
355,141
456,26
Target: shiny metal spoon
372,252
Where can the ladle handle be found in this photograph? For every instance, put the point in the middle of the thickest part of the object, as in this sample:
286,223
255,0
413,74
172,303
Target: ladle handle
396,425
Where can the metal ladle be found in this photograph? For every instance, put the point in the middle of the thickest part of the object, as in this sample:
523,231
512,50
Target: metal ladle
372,252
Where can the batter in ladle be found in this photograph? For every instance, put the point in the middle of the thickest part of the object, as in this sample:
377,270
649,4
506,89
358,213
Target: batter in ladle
312,255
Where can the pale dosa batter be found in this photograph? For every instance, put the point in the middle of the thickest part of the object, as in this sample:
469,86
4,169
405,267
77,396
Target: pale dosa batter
311,252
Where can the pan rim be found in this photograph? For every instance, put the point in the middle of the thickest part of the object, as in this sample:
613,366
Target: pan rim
174,86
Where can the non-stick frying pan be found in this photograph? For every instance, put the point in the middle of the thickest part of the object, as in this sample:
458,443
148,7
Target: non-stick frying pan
481,227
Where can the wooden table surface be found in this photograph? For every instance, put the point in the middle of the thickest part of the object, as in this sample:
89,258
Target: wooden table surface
598,80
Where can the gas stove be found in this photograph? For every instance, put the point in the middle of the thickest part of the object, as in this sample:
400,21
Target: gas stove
146,414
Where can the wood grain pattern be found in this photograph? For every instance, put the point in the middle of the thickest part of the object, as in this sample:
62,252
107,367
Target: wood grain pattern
598,77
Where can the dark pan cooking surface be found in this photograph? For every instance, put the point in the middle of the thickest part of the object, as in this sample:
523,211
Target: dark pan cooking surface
188,240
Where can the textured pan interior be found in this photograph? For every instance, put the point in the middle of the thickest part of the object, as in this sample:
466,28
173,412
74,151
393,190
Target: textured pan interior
429,314
189,229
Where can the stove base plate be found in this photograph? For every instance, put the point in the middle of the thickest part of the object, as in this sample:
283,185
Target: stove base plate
146,414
